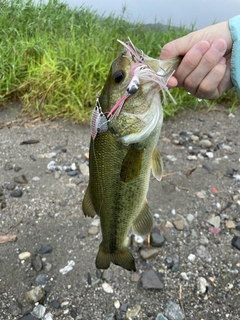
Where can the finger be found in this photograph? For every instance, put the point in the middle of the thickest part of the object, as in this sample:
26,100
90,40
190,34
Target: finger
172,82
190,61
209,86
209,61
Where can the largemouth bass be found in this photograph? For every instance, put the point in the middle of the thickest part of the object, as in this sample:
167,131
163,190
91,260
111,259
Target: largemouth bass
125,129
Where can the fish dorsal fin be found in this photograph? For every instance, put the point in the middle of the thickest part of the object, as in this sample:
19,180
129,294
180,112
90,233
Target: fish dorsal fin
157,165
142,225
131,165
121,258
87,205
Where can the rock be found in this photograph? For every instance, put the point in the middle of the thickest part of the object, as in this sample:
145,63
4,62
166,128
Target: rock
72,173
29,317
10,186
202,285
230,224
48,155
20,179
37,263
133,312
93,230
35,295
8,166
160,316
24,255
107,287
51,166
35,178
184,276
203,240
205,143
96,222
214,221
208,167
135,277
180,222
192,157
17,193
190,217
39,311
117,304
110,316
210,155
236,242
41,279
192,257
68,267
214,230
157,240
16,308
107,275
150,280
124,307
74,166
45,249
55,304
84,169
236,197
173,311
48,316
149,253
203,253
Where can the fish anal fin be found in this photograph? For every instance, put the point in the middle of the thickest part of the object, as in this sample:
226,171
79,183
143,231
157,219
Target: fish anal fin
87,205
142,225
121,258
131,165
157,165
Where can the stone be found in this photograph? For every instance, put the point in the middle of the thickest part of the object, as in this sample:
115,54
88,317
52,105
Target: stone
21,179
150,280
205,143
41,279
48,316
84,169
230,224
180,222
191,257
214,221
55,304
51,166
236,242
93,230
203,240
68,267
173,311
202,285
35,295
203,253
17,193
135,277
157,240
107,287
24,255
149,253
160,316
133,312
45,249
39,311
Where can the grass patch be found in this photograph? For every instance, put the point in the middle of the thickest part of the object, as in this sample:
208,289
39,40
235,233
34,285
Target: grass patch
55,59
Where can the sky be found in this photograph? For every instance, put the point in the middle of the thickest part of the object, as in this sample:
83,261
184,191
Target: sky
185,12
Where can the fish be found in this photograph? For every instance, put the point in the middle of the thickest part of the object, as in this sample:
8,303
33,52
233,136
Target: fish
125,128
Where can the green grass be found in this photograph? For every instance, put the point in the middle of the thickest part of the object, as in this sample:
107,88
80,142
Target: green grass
55,59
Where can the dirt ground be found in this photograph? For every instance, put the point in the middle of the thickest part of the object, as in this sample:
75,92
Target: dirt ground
201,154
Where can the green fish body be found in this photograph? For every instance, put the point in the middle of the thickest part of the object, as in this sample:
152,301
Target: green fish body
121,159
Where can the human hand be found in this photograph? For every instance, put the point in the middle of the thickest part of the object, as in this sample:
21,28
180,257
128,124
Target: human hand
205,68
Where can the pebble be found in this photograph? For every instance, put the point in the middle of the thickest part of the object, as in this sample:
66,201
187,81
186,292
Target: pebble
48,155
124,307
171,158
184,276
214,221
41,279
210,155
68,267
17,193
180,222
107,275
36,178
72,173
150,280
133,312
95,222
135,277
107,287
214,230
157,240
138,239
20,179
110,316
173,311
51,166
236,197
39,311
48,316
45,249
93,230
203,253
192,157
192,257
205,143
160,316
236,242
55,304
190,217
202,285
117,304
11,186
74,166
230,224
37,263
24,255
203,240
149,253
35,295
84,169
29,317
8,166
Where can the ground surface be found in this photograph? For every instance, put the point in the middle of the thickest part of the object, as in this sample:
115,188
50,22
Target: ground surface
198,266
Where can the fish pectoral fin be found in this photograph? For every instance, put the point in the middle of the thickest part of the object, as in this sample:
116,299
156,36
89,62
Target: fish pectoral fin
142,225
121,258
131,165
157,165
87,205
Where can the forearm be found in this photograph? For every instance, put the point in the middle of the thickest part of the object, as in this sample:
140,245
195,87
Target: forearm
234,25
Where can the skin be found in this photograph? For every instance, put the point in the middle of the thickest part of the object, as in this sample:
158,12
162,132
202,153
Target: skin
205,68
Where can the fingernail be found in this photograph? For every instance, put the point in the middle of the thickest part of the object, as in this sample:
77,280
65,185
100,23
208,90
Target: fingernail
201,47
219,46
223,60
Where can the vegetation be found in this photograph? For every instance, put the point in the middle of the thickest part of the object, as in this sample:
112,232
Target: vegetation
55,59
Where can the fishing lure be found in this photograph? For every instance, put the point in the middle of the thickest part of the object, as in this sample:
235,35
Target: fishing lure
99,122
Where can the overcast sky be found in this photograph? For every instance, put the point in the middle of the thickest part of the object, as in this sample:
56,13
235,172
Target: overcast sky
203,12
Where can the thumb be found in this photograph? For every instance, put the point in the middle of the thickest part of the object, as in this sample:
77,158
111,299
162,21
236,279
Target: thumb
178,47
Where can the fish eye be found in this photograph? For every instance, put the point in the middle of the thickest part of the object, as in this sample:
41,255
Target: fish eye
118,76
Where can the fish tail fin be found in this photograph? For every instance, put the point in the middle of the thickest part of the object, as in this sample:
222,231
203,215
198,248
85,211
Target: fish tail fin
121,258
